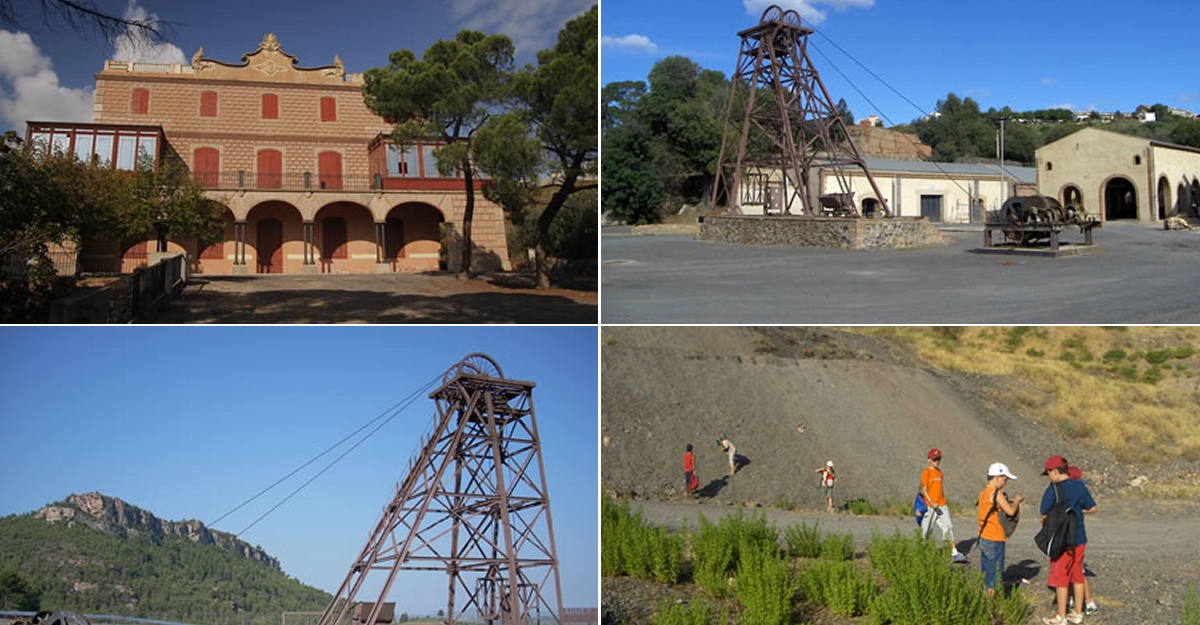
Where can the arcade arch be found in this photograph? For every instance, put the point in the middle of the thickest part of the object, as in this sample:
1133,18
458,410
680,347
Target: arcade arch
343,236
273,241
413,237
1120,199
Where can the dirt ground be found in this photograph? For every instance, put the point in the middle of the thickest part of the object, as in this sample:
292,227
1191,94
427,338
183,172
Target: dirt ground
874,410
382,298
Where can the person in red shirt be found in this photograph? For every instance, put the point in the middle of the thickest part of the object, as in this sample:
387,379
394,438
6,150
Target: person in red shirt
689,472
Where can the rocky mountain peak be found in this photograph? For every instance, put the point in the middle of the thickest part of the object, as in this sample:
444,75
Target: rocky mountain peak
114,516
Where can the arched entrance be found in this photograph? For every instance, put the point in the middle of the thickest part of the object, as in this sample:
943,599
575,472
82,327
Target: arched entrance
345,238
214,258
274,231
869,206
1072,196
1194,205
1120,199
1164,197
413,238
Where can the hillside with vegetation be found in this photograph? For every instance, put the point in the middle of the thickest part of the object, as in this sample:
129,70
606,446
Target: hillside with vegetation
99,555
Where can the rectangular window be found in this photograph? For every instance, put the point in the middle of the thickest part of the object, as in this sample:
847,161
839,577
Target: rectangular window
402,163
148,149
328,109
126,149
429,169
60,143
208,104
83,147
141,101
270,106
104,150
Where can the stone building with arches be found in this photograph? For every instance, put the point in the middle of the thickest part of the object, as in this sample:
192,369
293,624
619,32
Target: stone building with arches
1118,176
303,171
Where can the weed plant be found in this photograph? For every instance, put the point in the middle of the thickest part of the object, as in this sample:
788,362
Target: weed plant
841,586
629,546
838,548
1191,607
765,585
803,541
862,507
1011,607
698,612
922,588
717,549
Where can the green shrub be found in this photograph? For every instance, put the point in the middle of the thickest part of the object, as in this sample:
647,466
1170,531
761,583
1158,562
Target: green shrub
1015,338
838,548
862,507
921,588
698,612
1191,606
1184,352
1153,375
1075,342
1011,607
1034,353
840,586
785,504
631,547
765,585
1113,355
717,548
803,541
1159,356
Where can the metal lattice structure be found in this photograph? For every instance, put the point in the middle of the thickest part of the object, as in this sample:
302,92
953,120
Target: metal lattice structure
788,124
473,505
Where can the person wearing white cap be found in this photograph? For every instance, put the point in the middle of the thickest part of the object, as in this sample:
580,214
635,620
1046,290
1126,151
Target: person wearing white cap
827,480
992,536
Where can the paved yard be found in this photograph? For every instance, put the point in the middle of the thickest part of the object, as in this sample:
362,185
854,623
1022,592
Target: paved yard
1137,274
383,298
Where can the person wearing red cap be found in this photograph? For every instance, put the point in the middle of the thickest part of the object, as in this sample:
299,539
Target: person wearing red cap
1067,569
1089,602
935,497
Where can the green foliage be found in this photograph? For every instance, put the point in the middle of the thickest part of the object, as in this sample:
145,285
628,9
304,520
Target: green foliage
148,574
837,547
921,588
1191,606
1034,353
764,584
862,507
841,586
633,191
803,541
1153,375
1113,355
1014,338
1011,607
631,547
1159,356
698,612
717,549
1186,351
17,594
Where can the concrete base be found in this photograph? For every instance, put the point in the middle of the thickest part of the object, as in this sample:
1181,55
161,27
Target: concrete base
1018,251
383,268
843,232
241,270
310,269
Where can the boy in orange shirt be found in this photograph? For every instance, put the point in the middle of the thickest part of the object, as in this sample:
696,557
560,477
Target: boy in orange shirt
935,498
992,503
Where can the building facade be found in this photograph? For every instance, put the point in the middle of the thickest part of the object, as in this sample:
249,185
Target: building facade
303,171
1116,176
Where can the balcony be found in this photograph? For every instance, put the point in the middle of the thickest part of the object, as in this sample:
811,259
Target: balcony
306,181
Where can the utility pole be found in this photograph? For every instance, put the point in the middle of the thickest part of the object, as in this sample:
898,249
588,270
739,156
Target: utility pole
1003,173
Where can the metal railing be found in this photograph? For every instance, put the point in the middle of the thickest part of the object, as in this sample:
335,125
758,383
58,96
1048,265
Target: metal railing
306,181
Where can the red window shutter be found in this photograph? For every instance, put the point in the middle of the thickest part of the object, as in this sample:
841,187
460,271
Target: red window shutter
270,169
270,106
141,101
328,109
329,170
335,238
206,167
208,104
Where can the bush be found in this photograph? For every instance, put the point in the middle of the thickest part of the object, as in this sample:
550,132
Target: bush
717,549
765,585
921,588
1113,355
1153,375
1159,356
803,541
862,507
840,586
631,547
1191,607
1184,352
1011,607
838,548
1034,353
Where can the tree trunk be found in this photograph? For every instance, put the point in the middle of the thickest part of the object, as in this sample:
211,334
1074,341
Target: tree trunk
464,268
543,230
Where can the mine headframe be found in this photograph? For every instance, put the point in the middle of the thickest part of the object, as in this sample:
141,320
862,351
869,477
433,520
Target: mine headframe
473,505
782,128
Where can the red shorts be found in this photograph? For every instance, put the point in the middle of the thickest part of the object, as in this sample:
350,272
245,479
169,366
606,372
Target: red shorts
1068,568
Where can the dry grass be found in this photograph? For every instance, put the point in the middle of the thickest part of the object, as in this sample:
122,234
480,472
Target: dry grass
1136,391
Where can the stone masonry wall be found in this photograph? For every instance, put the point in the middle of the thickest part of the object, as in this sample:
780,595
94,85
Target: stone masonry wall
898,232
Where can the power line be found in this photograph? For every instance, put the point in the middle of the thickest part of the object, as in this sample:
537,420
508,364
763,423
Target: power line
394,411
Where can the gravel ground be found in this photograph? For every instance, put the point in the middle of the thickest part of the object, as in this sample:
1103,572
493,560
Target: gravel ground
871,407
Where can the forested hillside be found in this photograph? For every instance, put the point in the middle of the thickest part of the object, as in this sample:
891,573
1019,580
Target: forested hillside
95,561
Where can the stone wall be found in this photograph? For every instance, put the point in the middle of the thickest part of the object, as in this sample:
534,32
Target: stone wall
898,232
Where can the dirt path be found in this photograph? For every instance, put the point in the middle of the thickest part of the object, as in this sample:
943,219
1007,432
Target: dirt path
1136,575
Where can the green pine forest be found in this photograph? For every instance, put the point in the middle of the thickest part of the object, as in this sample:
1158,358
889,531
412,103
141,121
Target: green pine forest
143,574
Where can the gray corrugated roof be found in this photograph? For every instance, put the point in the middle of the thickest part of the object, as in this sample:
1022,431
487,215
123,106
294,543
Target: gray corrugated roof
1020,174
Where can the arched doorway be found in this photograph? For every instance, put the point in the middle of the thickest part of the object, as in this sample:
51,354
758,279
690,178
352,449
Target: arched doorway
413,238
345,238
869,206
1120,199
269,245
1072,196
1164,197
1194,205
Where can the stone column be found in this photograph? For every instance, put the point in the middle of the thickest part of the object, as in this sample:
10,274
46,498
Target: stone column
308,230
381,264
239,248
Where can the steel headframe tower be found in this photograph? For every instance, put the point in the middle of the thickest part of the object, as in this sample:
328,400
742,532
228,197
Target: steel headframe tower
788,117
473,505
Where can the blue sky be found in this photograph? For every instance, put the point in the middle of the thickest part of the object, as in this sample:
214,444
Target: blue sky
1029,54
47,70
190,422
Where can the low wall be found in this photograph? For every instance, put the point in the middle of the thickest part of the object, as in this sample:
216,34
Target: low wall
853,233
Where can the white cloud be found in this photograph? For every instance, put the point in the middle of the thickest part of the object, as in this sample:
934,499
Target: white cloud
1049,81
533,25
807,9
629,43
32,92
134,45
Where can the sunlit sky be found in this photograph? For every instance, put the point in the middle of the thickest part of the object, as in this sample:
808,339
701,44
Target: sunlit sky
47,69
190,422
1081,55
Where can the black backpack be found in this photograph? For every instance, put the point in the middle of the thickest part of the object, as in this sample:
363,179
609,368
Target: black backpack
1058,530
